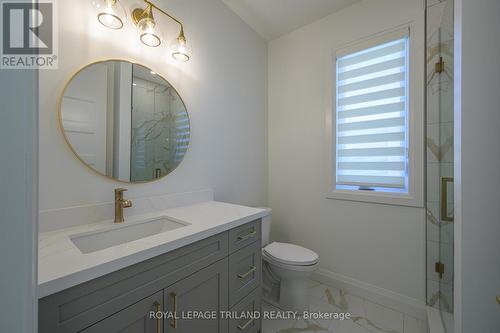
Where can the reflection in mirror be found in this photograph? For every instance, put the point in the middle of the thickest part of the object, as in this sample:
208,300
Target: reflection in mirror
125,121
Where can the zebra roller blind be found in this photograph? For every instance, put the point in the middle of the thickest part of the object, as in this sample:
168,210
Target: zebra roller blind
372,117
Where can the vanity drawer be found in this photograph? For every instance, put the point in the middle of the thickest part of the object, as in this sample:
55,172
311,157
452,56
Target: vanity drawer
248,305
76,308
244,235
134,318
245,269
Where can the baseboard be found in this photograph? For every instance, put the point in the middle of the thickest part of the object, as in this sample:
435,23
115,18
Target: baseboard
408,305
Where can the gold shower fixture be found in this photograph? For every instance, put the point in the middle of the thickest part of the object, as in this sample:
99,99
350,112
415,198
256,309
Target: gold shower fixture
111,14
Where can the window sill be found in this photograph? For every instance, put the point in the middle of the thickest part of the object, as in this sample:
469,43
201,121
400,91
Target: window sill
386,198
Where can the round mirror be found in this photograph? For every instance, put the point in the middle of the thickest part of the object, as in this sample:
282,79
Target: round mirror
124,121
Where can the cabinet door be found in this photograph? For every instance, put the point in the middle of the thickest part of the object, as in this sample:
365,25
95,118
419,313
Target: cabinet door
245,267
204,292
134,319
81,306
245,309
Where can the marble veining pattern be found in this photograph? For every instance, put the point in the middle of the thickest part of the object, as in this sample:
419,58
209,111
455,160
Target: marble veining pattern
441,297
366,316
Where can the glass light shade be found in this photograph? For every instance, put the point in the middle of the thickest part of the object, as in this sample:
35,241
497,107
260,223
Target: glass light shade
110,13
180,49
148,33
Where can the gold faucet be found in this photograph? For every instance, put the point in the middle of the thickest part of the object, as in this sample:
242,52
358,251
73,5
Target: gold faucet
120,203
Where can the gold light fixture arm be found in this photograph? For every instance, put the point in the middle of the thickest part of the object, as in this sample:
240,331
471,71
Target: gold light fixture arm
139,13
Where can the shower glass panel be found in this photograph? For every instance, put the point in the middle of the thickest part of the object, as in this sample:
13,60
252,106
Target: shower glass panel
440,158
160,127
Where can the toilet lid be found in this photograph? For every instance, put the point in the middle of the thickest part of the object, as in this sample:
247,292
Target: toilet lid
291,254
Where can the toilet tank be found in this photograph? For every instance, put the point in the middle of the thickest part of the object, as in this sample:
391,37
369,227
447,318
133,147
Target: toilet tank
266,227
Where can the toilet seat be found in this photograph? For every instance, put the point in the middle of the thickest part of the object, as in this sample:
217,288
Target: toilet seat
290,255
295,268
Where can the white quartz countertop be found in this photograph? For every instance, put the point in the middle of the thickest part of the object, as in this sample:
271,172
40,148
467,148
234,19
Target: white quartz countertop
62,265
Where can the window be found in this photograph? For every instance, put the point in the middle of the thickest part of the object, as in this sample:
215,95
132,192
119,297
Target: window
372,112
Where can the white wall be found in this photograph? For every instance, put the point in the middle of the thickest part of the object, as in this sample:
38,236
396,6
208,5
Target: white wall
223,86
18,205
85,105
379,245
477,117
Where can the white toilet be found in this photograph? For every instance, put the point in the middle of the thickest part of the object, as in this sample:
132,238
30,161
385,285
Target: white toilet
286,268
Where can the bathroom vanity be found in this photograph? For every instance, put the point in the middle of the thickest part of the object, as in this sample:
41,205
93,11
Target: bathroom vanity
205,268
196,265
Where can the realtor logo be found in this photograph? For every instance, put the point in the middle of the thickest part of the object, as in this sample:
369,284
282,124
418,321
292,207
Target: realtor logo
29,38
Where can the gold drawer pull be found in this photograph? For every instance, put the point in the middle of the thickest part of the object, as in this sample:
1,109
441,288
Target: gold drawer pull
250,271
244,327
173,321
158,320
247,236
498,299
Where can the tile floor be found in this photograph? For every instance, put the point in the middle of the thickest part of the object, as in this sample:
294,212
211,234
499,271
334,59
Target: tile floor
366,316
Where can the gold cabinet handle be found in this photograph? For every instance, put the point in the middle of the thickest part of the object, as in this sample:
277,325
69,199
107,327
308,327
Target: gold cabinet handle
498,299
250,271
158,320
247,236
244,327
173,321
444,199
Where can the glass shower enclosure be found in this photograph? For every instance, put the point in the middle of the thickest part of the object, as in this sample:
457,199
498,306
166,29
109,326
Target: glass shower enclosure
439,146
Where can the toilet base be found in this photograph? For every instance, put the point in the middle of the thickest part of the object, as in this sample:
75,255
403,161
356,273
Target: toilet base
294,295
288,282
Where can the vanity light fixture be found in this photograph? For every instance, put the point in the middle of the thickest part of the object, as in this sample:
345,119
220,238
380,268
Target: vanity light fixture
179,47
145,22
110,13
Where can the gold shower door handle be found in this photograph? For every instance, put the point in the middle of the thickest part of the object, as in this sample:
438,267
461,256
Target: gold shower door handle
158,320
173,322
444,199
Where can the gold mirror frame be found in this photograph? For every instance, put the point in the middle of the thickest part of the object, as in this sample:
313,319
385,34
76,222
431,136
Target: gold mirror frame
68,144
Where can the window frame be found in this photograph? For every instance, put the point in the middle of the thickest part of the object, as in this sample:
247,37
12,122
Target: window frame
415,122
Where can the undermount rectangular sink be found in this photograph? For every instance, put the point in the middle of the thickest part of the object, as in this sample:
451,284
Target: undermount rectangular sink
89,242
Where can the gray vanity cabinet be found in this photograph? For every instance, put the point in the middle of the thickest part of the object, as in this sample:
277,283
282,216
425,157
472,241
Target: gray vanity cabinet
244,235
244,272
133,319
248,305
204,293
211,276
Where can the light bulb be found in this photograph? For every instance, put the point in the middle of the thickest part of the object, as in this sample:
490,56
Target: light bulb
110,13
147,32
180,49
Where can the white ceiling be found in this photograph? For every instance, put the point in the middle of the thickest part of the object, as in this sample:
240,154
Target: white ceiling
274,18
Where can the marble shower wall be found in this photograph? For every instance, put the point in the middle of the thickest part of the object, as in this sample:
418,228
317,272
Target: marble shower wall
160,130
439,146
